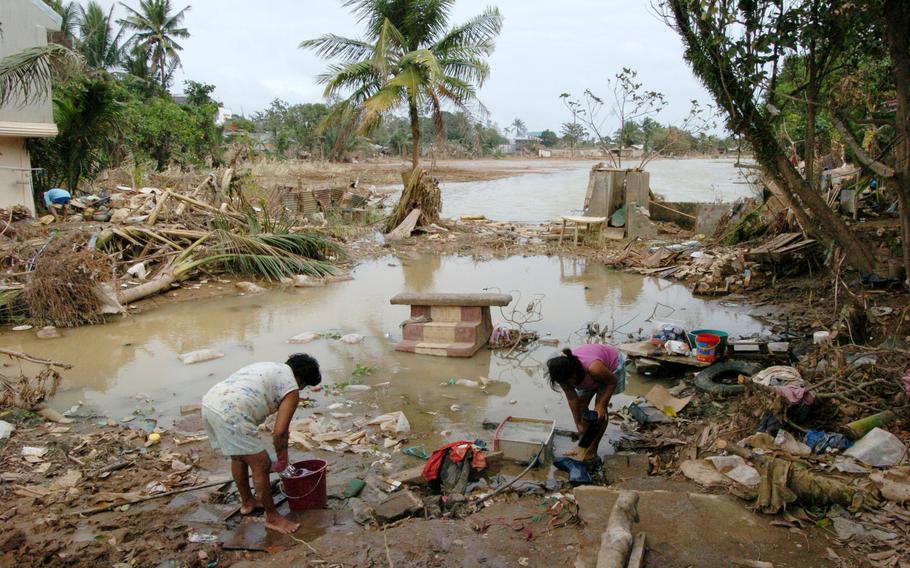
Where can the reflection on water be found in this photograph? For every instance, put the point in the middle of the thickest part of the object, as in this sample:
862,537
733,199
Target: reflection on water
138,354
540,197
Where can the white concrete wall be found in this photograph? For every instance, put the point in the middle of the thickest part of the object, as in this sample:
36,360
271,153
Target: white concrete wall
15,174
25,24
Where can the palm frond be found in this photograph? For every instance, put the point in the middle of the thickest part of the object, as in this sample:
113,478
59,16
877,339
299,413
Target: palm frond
331,46
27,75
273,256
479,31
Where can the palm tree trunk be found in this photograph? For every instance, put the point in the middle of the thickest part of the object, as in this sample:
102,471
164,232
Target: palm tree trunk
415,134
898,39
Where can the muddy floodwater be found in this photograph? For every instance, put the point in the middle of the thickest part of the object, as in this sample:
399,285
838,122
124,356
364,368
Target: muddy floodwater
131,364
544,195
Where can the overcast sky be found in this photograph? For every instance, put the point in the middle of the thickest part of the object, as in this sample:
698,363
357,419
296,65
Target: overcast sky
248,50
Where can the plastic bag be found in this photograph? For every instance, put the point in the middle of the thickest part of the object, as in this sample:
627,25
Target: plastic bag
395,422
200,356
305,337
878,448
663,331
6,429
351,338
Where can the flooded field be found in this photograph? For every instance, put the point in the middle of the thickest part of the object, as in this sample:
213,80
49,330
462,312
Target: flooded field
558,189
131,365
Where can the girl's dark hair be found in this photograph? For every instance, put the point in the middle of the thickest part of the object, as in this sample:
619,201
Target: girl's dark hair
306,369
565,369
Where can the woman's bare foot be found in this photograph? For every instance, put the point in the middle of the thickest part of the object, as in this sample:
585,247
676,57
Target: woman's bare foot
251,507
280,524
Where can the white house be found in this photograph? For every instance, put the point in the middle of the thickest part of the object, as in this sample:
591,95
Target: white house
25,24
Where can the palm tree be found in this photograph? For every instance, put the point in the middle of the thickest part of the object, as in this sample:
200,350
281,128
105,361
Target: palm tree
156,28
408,58
99,44
69,21
518,126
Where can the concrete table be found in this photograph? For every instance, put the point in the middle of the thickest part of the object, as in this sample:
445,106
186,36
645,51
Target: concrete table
588,223
447,325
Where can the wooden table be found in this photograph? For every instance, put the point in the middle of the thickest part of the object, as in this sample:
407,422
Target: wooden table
647,350
588,222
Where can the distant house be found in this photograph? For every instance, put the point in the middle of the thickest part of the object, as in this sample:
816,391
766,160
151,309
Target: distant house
25,24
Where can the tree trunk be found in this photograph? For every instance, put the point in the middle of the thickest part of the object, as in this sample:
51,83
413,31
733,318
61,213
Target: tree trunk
150,288
415,134
897,21
735,98
616,541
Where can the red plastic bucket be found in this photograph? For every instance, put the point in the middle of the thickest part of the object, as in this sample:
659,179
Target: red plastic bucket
307,491
706,347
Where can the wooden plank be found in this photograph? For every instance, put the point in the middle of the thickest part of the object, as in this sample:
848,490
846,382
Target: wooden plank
637,556
648,350
405,228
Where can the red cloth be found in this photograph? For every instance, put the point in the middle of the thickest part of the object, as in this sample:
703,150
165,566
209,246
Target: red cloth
457,452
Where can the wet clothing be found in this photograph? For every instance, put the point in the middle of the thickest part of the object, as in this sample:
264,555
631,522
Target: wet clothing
233,409
56,196
610,356
456,451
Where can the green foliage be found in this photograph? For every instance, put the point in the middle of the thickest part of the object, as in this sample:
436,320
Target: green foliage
294,128
549,138
88,115
164,132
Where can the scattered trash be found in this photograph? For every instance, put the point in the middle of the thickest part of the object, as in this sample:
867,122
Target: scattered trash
878,448
645,413
153,439
249,288
822,442
6,429
674,347
417,452
356,388
29,451
48,332
25,327
353,488
736,469
664,401
894,484
777,376
455,408
703,473
394,422
200,356
197,537
302,338
351,338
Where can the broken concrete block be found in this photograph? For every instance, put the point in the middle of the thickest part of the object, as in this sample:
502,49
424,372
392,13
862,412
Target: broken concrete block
398,506
363,513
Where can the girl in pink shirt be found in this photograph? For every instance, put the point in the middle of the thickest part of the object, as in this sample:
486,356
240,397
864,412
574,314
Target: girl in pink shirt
590,371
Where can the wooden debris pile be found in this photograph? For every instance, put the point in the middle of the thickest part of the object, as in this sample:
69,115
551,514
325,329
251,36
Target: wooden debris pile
143,241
